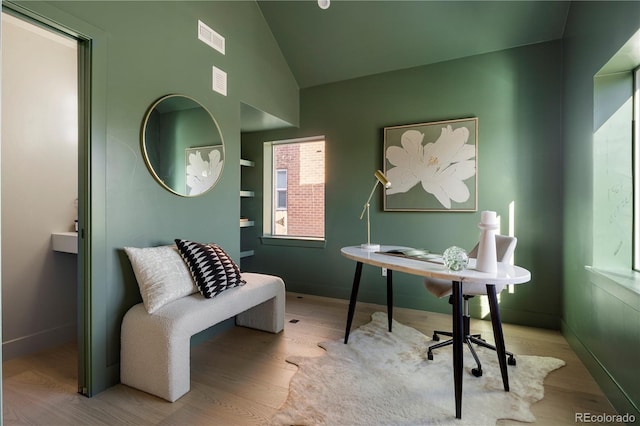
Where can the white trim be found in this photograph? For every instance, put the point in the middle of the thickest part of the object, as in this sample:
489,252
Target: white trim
297,140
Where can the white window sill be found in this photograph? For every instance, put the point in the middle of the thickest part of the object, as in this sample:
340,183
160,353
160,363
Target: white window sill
624,285
310,242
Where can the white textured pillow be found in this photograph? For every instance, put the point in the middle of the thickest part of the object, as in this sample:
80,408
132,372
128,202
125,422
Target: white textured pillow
162,275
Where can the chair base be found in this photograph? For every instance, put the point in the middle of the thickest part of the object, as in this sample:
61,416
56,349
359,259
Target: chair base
468,339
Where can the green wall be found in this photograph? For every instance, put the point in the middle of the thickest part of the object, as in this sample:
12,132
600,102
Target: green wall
535,106
141,51
601,315
516,95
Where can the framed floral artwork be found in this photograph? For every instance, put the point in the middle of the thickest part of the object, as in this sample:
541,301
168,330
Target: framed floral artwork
432,166
203,166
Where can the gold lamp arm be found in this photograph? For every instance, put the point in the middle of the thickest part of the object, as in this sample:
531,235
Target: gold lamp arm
366,205
380,178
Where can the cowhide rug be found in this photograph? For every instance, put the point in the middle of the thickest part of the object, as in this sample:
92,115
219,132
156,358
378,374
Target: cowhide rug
382,378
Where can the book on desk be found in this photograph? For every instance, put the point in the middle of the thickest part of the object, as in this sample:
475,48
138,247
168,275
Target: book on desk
417,254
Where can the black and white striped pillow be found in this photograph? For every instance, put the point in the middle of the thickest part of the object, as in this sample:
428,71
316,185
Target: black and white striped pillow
211,267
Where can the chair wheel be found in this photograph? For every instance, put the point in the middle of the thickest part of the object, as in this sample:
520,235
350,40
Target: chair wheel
476,372
511,361
435,337
429,356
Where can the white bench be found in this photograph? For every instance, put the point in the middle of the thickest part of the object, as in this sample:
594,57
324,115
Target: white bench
155,348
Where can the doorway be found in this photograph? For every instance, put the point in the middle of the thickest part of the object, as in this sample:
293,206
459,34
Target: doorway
42,286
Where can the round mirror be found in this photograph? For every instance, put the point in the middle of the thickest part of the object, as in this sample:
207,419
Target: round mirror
182,145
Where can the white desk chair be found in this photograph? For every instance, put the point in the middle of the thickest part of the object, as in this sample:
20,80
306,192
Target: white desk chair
505,247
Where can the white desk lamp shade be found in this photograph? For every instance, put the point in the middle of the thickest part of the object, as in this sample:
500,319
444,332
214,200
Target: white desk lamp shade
380,178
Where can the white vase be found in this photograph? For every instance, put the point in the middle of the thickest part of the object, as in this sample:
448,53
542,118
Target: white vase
487,261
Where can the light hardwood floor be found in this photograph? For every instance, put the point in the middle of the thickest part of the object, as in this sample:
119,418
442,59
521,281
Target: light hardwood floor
240,377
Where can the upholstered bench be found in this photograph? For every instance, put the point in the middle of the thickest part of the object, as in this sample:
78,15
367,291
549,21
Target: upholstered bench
186,289
155,347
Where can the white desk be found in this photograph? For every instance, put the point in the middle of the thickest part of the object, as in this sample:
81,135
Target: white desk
506,274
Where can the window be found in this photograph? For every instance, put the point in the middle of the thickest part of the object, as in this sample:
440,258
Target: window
613,182
294,176
281,189
616,174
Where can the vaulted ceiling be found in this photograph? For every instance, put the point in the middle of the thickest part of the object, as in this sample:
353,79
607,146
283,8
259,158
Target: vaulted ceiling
357,38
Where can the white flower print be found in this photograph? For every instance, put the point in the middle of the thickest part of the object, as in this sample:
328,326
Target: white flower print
201,174
441,167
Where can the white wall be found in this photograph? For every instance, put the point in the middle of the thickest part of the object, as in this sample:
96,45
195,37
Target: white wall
39,168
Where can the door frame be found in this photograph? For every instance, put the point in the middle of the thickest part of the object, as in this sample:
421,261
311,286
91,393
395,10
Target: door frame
92,65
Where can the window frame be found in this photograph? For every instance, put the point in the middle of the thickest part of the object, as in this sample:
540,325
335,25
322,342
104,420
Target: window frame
269,175
636,170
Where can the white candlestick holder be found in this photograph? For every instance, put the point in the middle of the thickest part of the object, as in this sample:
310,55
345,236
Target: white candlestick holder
487,260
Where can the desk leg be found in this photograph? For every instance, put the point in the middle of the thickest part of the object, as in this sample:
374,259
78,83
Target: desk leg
497,334
352,301
458,336
389,297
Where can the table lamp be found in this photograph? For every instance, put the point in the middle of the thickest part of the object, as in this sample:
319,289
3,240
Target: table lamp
380,178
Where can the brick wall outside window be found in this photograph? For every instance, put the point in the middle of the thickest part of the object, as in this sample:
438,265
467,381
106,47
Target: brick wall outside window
304,162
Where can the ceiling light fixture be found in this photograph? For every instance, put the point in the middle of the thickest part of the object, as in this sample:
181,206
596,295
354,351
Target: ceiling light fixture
324,4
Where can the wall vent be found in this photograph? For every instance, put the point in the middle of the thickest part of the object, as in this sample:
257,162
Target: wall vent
219,78
210,37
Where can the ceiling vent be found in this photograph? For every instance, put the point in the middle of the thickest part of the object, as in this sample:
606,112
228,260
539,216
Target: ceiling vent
219,78
210,37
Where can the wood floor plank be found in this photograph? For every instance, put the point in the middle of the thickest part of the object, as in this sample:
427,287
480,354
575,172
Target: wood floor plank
241,377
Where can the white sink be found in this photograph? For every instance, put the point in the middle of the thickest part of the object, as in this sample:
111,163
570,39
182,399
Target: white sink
65,241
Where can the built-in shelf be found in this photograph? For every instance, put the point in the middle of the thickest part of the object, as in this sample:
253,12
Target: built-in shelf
246,253
244,222
66,242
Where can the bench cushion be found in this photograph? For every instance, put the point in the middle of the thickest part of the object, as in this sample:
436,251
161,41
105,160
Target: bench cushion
190,315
